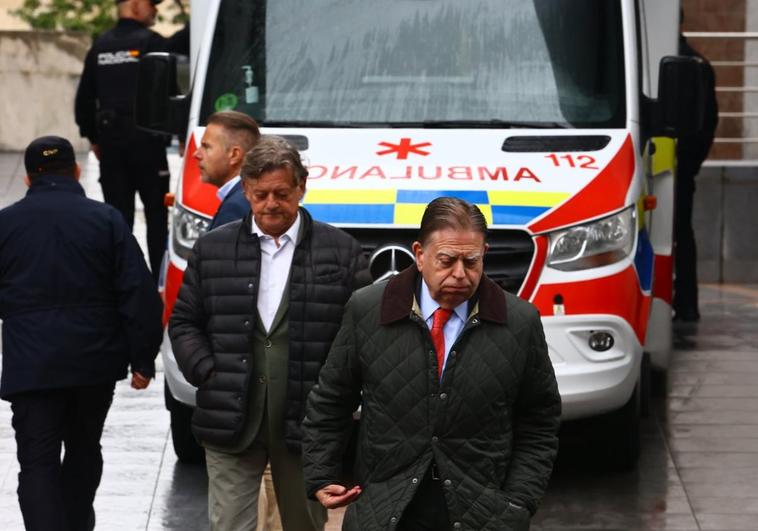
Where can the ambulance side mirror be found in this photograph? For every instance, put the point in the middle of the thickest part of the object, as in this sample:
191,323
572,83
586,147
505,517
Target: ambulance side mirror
680,108
160,108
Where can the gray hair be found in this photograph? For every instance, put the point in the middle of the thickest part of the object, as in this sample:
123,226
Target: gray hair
451,213
273,153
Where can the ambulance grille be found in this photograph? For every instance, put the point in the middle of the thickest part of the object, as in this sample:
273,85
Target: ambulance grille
507,261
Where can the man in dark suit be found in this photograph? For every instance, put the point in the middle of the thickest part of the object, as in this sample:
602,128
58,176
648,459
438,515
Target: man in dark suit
78,307
228,136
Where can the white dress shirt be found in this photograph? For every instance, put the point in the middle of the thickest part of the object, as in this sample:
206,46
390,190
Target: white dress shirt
454,324
224,189
276,261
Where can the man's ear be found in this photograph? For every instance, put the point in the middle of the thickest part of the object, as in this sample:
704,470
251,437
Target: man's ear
418,252
301,188
77,172
246,188
27,181
236,156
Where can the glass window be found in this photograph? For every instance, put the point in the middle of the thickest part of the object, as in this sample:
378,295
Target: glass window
419,63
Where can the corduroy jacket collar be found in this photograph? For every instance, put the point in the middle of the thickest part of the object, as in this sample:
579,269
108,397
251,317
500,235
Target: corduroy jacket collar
397,300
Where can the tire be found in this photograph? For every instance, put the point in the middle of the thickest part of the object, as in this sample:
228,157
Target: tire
659,383
186,448
623,431
646,384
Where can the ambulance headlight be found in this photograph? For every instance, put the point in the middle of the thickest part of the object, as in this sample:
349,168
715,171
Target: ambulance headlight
188,227
596,244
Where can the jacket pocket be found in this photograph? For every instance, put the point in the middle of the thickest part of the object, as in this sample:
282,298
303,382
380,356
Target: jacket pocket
205,390
518,518
500,514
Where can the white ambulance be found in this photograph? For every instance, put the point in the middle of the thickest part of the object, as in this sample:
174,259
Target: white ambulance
550,115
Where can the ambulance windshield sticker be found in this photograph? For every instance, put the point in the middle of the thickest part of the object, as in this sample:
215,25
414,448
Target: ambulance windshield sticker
226,102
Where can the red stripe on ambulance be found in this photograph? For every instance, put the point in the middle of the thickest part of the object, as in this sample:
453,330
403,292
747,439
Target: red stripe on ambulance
605,193
663,277
617,294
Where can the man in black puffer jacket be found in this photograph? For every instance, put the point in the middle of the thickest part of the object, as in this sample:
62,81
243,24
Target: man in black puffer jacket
459,402
261,302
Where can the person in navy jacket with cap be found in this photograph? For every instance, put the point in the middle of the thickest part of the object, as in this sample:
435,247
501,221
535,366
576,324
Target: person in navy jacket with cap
78,307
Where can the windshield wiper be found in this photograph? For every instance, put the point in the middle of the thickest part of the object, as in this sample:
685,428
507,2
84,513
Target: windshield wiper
492,124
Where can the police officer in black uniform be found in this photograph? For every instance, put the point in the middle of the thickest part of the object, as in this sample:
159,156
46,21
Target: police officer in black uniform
691,152
130,160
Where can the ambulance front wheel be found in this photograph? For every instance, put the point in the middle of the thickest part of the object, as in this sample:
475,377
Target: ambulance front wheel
186,448
623,431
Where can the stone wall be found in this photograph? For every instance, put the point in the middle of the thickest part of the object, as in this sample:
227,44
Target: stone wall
724,221
40,72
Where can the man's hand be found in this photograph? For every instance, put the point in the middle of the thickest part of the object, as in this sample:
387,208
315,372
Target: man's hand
139,381
96,150
333,496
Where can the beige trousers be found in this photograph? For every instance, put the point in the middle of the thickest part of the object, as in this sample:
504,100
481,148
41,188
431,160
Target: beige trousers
234,485
268,511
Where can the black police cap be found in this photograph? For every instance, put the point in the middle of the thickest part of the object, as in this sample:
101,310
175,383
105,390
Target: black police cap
48,154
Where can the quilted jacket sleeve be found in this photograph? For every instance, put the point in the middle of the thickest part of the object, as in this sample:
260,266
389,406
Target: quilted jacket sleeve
536,421
187,325
329,411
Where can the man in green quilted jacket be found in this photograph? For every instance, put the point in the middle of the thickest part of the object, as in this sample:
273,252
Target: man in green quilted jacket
459,404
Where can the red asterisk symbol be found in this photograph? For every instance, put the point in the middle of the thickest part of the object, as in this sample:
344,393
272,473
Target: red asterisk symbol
404,148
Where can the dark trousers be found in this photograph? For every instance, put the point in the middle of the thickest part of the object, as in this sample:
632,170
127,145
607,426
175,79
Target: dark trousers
685,253
139,167
427,511
55,495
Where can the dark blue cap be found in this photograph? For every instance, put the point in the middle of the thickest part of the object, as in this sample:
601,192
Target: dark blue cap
49,154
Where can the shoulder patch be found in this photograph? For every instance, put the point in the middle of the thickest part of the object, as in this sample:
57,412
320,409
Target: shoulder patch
118,58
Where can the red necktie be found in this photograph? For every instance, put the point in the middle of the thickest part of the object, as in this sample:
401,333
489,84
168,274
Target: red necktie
441,315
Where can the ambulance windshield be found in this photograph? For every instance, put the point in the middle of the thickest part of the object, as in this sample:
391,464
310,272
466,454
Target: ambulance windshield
419,63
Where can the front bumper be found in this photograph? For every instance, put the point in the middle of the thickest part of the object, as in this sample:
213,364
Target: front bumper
180,389
592,383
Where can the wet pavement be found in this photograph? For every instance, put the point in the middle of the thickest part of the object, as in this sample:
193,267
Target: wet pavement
698,469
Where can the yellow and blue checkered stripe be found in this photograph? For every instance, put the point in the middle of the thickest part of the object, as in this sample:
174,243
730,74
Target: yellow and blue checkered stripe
406,207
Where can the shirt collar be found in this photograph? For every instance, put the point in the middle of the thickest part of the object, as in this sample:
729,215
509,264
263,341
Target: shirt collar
291,234
428,305
224,189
